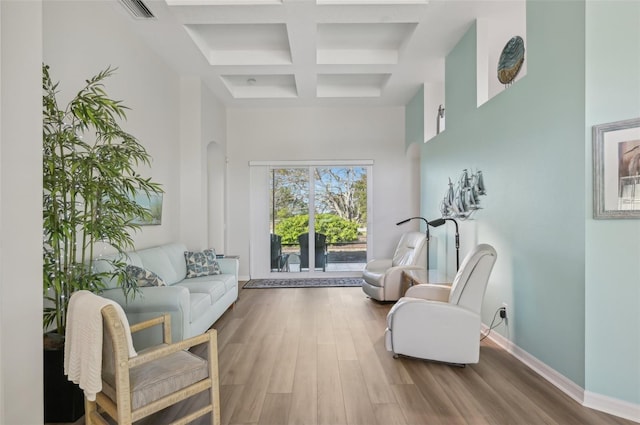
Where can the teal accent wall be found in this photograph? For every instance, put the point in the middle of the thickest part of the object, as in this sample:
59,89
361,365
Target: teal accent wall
529,141
612,246
414,119
572,283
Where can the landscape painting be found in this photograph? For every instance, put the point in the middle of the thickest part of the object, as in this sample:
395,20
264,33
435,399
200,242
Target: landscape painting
153,203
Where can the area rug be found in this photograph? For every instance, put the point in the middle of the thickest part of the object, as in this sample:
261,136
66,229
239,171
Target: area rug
303,283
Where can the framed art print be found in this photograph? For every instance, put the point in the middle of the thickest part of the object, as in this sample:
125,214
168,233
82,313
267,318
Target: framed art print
616,169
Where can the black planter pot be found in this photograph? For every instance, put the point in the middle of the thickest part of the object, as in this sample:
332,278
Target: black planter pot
63,400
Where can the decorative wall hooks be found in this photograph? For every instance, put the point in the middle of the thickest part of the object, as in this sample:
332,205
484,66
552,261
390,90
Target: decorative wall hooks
440,120
463,200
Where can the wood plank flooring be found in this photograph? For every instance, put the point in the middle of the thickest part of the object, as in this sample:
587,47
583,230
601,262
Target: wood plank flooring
316,356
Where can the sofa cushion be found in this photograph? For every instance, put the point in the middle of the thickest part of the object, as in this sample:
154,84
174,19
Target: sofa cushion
202,263
103,265
134,259
175,252
230,281
144,277
205,285
200,303
157,260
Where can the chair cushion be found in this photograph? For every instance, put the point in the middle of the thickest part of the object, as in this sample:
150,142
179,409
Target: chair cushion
408,249
158,378
373,277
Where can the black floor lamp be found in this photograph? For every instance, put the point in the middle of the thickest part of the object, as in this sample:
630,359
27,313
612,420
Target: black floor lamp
439,222
427,232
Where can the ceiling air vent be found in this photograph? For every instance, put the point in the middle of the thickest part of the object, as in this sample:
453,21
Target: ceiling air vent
138,9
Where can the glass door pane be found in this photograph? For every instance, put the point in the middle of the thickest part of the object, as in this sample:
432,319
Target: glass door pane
340,199
334,201
289,216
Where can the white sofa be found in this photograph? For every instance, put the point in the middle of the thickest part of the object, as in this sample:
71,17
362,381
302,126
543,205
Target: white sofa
193,303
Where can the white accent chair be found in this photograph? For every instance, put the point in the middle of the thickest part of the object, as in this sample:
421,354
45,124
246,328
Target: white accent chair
383,277
442,322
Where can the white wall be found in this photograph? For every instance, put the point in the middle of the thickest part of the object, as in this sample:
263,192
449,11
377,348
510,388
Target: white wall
320,134
175,117
433,98
20,213
492,36
83,38
192,162
202,152
214,136
216,179
78,39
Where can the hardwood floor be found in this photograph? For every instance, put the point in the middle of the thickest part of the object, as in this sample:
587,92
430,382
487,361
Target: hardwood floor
316,356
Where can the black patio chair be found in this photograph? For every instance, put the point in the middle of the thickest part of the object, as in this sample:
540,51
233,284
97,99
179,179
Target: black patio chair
278,260
320,247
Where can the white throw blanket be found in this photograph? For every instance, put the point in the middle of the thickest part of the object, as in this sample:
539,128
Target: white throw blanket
83,343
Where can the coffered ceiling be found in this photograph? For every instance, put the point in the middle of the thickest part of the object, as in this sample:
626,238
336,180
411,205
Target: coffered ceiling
311,52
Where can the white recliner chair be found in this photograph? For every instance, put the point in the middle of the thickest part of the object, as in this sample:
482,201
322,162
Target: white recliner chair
383,277
441,322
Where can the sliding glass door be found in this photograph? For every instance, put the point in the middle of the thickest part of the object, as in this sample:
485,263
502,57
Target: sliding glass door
318,218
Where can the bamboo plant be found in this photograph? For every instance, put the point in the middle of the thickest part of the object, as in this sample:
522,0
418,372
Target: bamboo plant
90,179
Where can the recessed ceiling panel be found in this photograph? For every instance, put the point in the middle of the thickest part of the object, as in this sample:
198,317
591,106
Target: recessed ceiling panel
317,52
358,43
260,86
351,85
221,2
242,44
368,2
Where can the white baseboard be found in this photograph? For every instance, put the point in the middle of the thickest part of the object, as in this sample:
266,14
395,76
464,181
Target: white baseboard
565,385
595,401
613,406
244,278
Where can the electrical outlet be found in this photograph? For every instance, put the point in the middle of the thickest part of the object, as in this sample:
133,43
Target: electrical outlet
506,311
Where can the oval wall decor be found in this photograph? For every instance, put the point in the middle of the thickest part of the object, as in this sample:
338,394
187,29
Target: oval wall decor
511,60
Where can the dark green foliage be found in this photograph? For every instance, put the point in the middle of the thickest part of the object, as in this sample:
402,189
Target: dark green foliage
89,181
335,228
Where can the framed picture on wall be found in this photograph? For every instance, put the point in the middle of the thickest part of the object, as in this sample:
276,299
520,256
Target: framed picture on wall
153,203
616,169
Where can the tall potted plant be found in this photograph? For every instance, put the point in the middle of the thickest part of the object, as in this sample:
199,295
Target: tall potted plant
90,179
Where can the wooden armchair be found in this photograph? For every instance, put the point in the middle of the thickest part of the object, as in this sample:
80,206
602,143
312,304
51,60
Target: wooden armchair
136,387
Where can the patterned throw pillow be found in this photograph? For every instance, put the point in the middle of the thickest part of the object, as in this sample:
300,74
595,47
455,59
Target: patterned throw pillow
201,263
214,267
144,277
